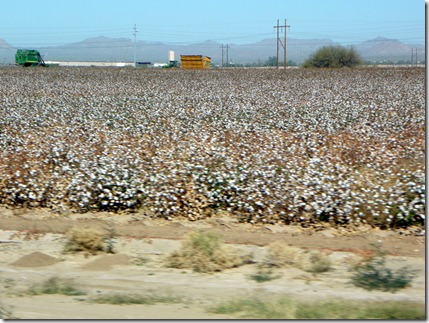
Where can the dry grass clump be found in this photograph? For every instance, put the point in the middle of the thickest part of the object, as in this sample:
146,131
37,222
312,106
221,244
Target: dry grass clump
319,262
204,252
280,254
86,240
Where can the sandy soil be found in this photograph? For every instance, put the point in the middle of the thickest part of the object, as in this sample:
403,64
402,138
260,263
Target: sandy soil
31,251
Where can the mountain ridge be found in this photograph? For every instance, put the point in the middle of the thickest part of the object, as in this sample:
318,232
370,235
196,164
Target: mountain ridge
102,48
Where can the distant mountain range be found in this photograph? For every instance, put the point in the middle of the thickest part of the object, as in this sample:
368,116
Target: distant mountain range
122,49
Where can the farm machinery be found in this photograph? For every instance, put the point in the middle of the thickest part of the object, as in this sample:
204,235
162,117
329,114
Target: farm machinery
29,57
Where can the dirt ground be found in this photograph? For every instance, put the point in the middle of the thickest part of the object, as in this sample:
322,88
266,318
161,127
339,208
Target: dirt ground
32,244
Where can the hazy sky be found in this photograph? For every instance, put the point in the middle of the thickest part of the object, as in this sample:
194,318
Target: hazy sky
57,22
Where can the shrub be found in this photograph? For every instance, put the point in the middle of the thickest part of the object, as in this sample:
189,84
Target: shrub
204,252
56,285
263,275
89,241
374,274
124,299
334,56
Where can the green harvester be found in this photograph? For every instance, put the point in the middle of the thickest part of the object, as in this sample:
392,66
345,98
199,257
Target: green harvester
29,57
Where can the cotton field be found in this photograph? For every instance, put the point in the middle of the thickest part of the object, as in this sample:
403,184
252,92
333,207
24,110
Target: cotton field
345,146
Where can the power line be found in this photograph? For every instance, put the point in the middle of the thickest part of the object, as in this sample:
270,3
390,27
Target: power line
405,32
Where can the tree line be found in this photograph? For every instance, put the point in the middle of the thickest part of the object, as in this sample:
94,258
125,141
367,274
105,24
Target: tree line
324,57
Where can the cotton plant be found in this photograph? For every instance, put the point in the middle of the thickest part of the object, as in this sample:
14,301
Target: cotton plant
344,146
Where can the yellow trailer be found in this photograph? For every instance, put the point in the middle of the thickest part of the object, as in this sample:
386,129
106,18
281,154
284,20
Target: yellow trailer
195,61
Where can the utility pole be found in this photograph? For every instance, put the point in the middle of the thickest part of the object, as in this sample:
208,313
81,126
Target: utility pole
278,33
279,41
284,47
135,45
223,52
227,57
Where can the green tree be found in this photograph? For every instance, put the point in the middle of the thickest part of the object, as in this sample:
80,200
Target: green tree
291,63
334,57
271,61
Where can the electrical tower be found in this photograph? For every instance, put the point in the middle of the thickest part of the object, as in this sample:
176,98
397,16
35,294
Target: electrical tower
135,45
412,56
223,53
279,41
